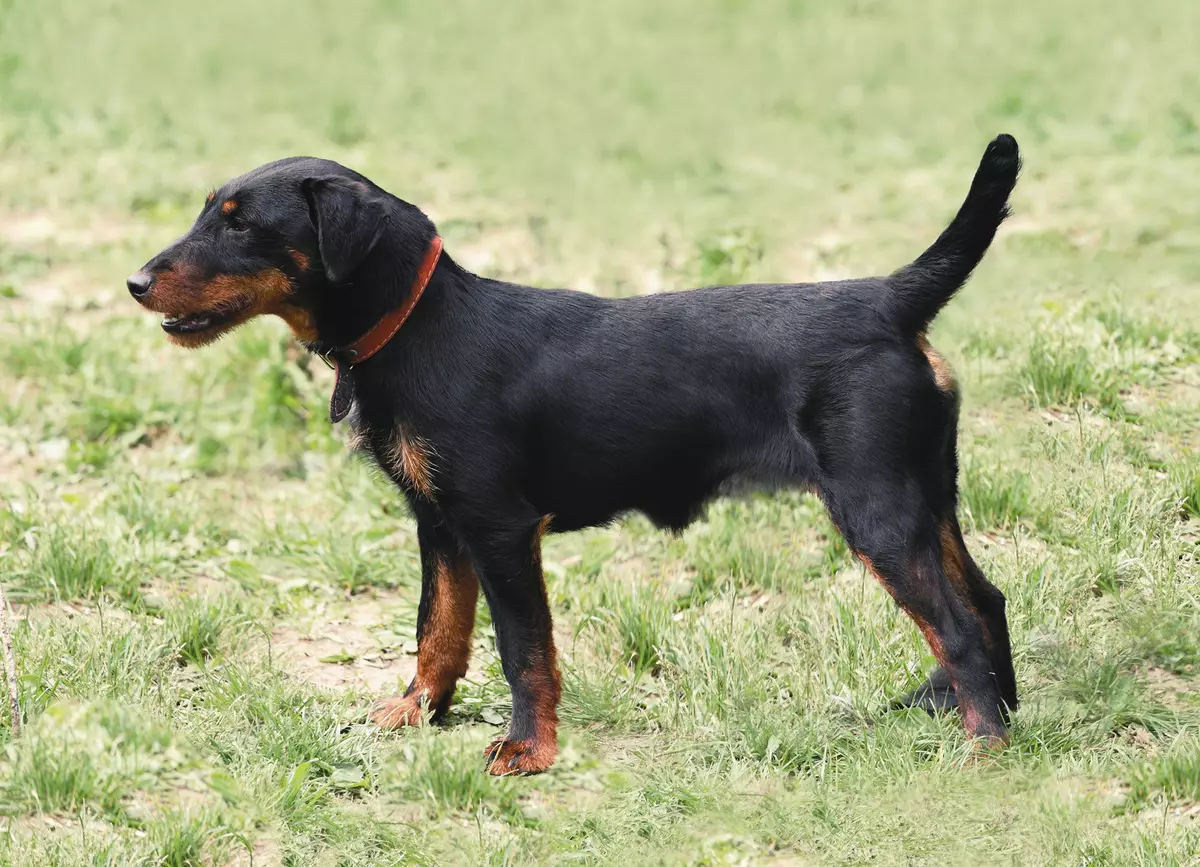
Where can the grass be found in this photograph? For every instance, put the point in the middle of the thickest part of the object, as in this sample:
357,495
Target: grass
993,497
70,563
210,591
1187,477
1173,776
197,627
1059,372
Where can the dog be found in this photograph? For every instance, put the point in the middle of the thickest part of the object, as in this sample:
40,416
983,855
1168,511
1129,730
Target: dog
505,412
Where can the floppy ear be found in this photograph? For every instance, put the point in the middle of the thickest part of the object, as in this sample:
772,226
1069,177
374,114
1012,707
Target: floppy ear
349,220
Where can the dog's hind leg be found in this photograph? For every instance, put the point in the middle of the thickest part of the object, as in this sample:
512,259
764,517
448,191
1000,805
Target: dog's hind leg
987,602
883,479
445,620
509,560
991,605
891,531
978,594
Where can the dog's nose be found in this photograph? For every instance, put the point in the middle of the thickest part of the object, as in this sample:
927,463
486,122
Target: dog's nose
139,284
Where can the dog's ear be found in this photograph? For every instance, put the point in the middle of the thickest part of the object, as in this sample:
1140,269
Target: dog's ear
349,218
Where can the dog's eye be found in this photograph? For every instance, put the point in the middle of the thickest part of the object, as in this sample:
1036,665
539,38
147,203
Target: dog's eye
237,224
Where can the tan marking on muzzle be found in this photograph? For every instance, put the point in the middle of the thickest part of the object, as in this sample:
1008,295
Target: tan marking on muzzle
264,292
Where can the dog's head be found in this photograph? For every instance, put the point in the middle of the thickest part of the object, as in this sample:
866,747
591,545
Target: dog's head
302,239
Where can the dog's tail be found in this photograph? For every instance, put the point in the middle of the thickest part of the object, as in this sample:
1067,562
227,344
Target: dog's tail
921,289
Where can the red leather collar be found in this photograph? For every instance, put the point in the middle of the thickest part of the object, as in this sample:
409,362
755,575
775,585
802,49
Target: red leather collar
378,336
385,329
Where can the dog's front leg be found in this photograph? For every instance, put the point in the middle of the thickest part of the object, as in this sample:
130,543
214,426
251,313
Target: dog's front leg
445,620
510,569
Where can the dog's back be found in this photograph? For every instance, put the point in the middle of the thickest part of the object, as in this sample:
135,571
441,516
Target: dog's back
659,403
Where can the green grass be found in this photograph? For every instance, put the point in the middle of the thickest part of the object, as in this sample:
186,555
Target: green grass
1173,776
70,563
185,539
1187,477
181,839
1058,373
993,497
197,627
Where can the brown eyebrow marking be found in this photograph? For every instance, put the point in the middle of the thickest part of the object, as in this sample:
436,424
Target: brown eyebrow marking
229,206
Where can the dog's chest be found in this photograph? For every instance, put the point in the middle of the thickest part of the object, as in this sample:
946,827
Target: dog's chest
407,457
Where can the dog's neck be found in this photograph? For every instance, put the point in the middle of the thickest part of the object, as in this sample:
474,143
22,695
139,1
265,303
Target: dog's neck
434,281
378,336
367,311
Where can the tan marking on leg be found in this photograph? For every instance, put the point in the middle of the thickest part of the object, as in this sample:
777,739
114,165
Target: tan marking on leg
446,641
546,684
955,566
444,648
542,528
411,457
300,259
542,680
931,637
972,720
943,376
537,754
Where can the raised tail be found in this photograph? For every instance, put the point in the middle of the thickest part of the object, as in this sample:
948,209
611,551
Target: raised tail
921,289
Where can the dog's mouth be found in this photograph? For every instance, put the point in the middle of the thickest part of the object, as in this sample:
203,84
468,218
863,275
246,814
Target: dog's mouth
194,324
198,328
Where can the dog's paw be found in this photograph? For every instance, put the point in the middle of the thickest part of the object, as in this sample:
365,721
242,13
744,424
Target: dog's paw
519,757
988,747
935,695
991,744
398,712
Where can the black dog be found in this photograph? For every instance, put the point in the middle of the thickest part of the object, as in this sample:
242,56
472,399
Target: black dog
504,412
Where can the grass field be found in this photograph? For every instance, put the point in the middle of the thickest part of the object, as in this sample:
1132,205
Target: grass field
210,591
